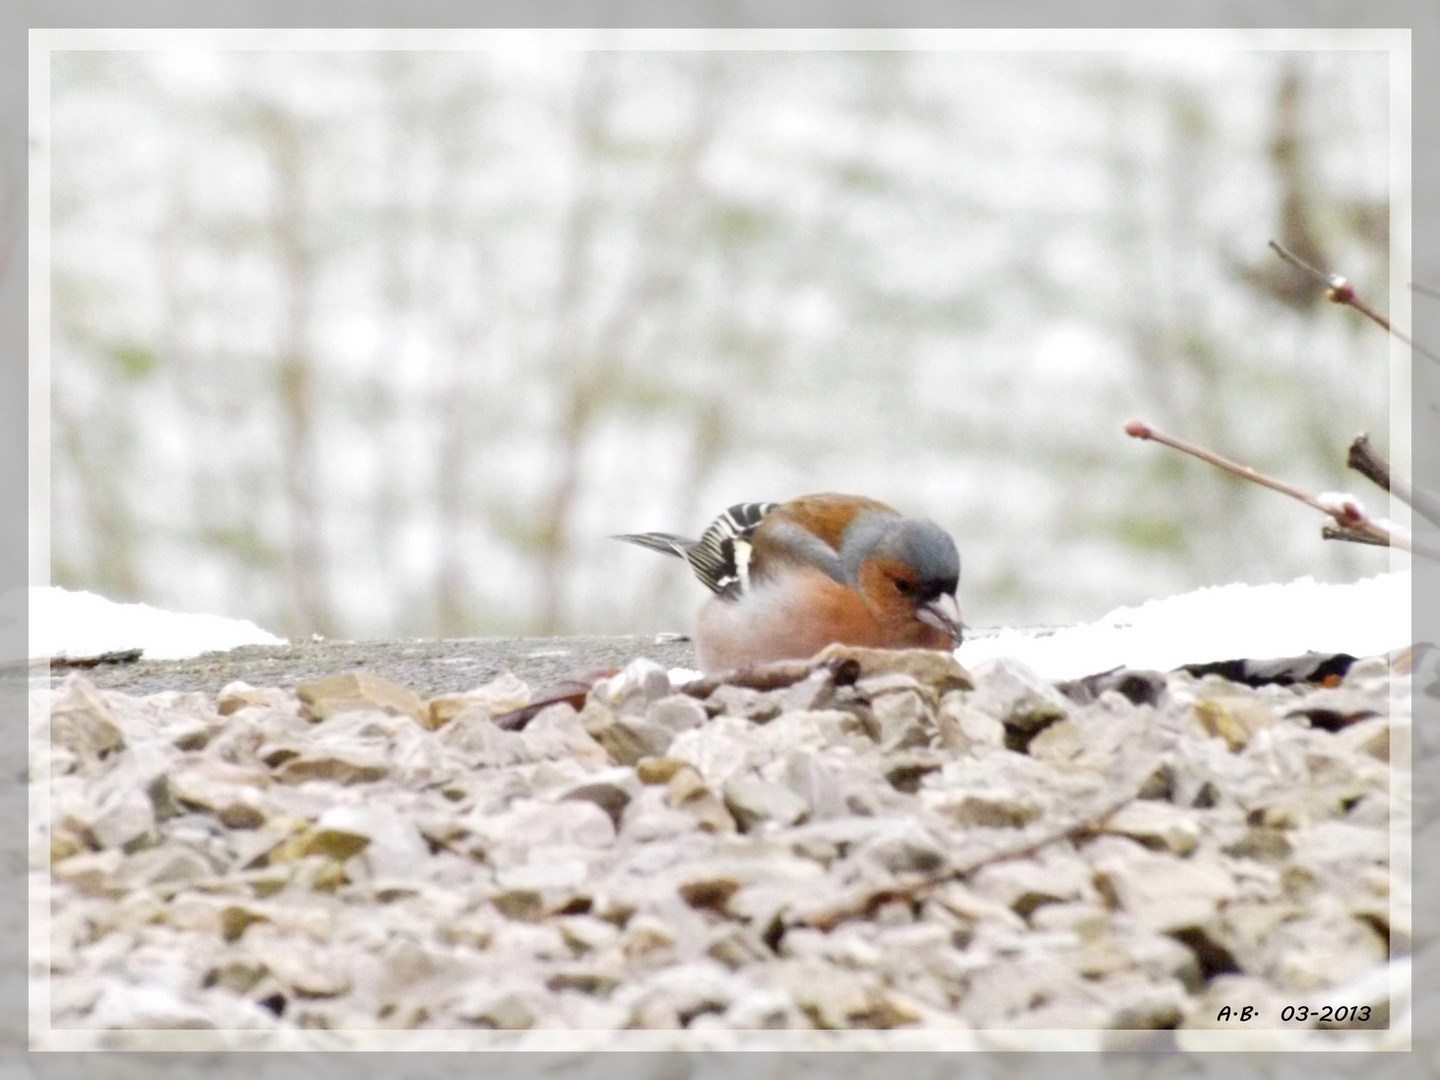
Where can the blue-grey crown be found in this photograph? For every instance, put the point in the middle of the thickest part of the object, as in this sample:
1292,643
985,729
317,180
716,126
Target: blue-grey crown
927,548
921,545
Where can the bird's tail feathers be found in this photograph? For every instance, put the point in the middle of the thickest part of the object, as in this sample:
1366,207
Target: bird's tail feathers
721,557
665,543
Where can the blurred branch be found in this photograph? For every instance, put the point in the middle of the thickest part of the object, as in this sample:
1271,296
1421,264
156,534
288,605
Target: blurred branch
588,374
1340,291
284,143
1351,522
1290,149
1425,290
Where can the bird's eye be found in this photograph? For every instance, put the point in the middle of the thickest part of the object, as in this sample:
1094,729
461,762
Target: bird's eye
905,588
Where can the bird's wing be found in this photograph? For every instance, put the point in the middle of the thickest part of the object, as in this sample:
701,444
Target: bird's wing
786,542
721,557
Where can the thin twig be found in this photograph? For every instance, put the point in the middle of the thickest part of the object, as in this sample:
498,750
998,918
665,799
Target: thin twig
1344,510
55,663
1138,429
1425,290
1368,461
865,899
1355,536
1340,291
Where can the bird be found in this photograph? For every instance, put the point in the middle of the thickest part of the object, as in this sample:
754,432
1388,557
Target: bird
791,578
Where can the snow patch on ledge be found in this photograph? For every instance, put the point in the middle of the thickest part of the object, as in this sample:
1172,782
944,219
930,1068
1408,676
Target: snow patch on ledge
65,623
1224,622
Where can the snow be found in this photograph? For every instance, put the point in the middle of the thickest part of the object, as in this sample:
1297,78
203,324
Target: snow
65,623
1225,622
1228,622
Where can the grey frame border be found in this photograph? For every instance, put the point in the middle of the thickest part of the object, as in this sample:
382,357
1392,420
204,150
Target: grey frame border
1424,20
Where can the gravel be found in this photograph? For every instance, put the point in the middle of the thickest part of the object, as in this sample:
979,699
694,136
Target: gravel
248,848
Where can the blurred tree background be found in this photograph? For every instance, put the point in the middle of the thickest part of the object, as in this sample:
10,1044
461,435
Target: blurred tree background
387,343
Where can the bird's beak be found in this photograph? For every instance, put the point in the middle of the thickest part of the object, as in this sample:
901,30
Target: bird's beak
943,613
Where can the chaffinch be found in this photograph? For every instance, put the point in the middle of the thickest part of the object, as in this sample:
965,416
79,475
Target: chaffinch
791,578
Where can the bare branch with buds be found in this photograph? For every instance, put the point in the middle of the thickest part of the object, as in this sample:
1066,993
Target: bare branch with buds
1339,290
1349,517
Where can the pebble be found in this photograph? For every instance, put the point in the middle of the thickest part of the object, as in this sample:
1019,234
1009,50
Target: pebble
1009,691
355,690
625,738
1234,717
754,802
